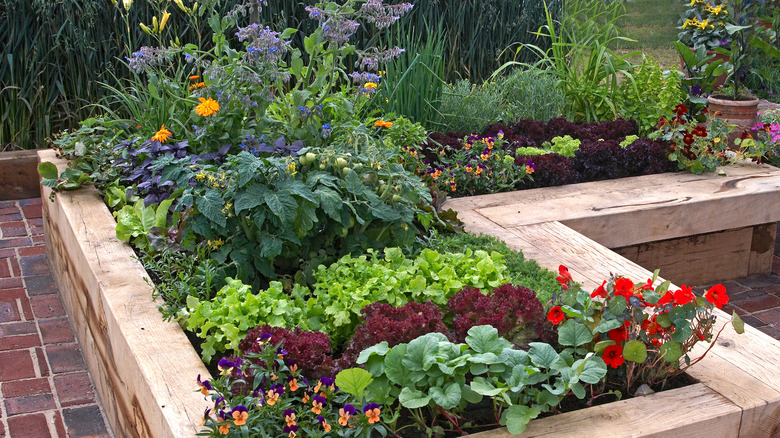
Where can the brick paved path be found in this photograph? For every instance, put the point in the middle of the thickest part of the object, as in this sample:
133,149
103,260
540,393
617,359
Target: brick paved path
45,388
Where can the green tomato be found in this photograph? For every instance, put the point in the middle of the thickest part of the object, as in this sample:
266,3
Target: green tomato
396,198
311,156
345,171
340,162
323,166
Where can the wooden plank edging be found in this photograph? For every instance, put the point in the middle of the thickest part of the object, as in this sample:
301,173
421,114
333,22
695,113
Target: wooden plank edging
19,175
144,368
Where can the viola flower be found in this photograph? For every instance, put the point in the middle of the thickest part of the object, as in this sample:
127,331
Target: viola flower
624,287
289,417
224,429
324,423
162,135
328,382
207,107
372,412
613,356
717,295
294,385
555,315
239,414
205,386
564,278
290,430
500,135
306,397
225,366
271,397
684,295
346,413
317,402
206,416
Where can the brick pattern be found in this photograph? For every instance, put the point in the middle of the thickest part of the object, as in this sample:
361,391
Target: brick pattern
45,389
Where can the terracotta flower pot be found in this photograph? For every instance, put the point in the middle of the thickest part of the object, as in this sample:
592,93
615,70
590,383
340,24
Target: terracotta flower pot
742,113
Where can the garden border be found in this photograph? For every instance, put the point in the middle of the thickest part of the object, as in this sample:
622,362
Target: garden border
144,368
19,175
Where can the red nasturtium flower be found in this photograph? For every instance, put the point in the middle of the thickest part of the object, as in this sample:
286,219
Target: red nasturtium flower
624,287
619,334
667,298
717,295
555,315
688,139
684,295
680,110
600,291
564,278
699,131
613,356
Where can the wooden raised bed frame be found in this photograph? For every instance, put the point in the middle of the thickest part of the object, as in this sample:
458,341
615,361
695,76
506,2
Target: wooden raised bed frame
144,368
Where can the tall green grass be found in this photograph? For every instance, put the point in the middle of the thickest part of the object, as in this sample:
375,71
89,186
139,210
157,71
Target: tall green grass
54,55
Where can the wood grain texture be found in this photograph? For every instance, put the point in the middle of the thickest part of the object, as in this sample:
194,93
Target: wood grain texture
144,368
762,248
19,175
692,411
717,257
641,209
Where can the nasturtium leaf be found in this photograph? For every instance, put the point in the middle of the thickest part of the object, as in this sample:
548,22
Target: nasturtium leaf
682,330
617,305
574,334
635,351
578,390
736,321
663,320
354,381
47,170
671,351
602,345
412,398
447,397
517,417
419,350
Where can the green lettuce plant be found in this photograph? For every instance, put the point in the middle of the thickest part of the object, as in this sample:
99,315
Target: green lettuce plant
345,287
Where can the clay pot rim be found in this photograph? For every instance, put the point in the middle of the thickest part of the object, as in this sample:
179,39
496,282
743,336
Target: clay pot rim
727,100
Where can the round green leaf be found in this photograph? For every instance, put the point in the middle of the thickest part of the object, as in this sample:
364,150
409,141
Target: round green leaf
412,398
447,397
602,345
671,351
47,170
354,381
635,351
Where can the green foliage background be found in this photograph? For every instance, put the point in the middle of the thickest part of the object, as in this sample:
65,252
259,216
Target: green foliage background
55,54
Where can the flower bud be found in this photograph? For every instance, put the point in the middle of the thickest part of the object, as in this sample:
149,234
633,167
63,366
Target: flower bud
146,29
127,4
165,17
155,24
181,5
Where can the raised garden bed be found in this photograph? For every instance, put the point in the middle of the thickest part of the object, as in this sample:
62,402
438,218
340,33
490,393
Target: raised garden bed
144,368
20,178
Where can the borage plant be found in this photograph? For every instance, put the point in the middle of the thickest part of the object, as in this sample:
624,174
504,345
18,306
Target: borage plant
643,332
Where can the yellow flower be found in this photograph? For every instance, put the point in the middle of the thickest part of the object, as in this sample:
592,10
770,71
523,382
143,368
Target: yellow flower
207,107
162,135
371,85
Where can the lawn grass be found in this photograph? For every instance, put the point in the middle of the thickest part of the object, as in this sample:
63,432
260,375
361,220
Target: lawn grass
653,24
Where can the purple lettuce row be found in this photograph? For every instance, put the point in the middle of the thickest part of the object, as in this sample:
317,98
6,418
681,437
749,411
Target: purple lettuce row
600,155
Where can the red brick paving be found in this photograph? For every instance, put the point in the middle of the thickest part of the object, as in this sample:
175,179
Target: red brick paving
45,389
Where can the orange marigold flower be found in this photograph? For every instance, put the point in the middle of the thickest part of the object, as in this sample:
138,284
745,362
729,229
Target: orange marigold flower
197,85
717,295
194,77
207,107
162,135
382,124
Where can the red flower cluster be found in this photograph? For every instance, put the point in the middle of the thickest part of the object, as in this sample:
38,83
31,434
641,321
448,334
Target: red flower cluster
564,277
